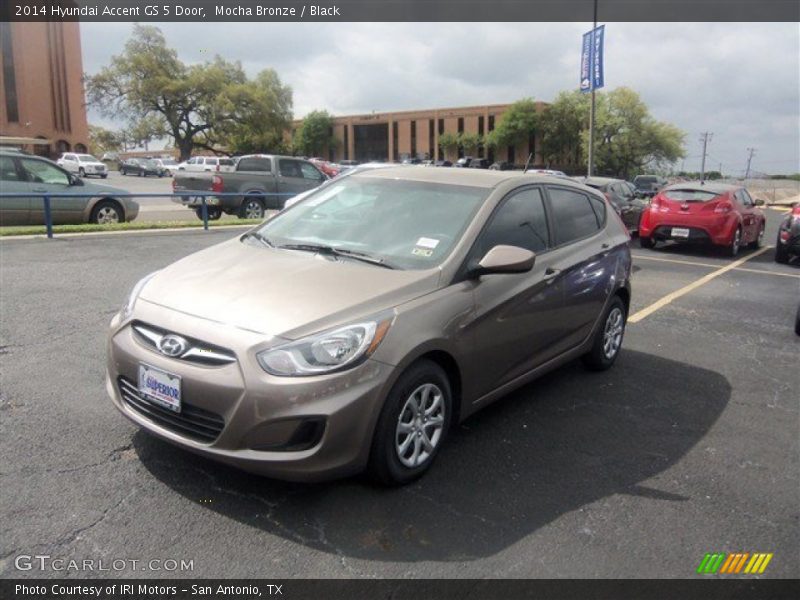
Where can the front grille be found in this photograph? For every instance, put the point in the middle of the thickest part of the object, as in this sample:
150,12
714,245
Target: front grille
192,422
196,352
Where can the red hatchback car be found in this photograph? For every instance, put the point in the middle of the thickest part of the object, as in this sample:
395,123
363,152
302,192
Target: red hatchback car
719,214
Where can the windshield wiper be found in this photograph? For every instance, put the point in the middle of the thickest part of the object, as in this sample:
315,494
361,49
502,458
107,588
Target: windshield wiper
331,251
257,236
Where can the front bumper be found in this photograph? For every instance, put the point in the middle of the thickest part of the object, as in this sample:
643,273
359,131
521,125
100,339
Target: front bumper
303,429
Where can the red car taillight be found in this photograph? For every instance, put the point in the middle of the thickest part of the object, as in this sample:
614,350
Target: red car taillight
723,208
216,184
657,205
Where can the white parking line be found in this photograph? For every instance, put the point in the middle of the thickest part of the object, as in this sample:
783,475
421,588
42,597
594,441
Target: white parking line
661,303
712,266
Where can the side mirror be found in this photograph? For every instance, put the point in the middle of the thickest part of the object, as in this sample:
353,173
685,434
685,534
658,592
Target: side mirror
75,180
759,202
505,259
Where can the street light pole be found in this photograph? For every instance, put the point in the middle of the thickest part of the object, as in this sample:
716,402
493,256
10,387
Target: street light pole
590,167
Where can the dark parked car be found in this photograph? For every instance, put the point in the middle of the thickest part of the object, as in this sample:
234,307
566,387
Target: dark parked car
623,197
501,165
463,162
442,163
788,242
649,185
141,167
24,174
355,329
479,163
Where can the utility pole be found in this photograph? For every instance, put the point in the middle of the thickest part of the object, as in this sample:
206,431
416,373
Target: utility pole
750,153
705,137
590,168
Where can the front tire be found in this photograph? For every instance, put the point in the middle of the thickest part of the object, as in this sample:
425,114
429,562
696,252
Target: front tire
646,242
608,339
107,212
781,253
759,241
214,213
412,426
81,172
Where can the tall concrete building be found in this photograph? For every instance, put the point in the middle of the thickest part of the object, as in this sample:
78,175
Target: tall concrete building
395,136
42,106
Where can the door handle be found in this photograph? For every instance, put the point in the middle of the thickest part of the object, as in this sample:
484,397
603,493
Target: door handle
550,273
39,190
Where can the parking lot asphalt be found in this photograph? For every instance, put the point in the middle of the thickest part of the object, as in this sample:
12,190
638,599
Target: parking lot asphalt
688,445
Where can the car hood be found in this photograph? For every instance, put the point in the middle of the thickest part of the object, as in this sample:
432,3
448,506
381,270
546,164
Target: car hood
99,189
282,293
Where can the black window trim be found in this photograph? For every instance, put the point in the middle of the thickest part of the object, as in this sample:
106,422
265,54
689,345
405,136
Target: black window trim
548,201
463,269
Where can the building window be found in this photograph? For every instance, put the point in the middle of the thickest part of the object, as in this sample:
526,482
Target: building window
395,142
9,75
431,139
346,142
413,139
460,124
491,122
441,126
480,125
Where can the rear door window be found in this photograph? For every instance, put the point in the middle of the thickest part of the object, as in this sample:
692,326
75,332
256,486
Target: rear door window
309,171
289,168
573,215
8,170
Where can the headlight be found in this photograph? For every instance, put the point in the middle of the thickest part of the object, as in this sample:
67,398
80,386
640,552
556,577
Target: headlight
325,352
127,308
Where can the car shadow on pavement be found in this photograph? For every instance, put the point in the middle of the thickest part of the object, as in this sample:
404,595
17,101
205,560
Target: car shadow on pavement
552,447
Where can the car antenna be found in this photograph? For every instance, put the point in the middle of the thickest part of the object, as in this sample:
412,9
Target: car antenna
528,162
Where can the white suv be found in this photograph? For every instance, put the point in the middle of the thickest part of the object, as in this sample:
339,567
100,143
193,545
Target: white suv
82,164
207,163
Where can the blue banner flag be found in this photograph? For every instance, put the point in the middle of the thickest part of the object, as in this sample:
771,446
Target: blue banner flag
592,59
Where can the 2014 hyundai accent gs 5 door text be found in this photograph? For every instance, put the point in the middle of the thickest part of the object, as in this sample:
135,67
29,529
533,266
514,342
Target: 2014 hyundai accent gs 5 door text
352,330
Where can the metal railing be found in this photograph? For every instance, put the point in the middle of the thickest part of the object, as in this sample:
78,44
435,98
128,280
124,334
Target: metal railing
204,206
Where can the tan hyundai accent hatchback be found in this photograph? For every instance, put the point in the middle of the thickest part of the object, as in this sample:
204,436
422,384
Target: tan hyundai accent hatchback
353,329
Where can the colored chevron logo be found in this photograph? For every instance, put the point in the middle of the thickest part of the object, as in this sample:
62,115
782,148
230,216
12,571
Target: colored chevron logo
734,563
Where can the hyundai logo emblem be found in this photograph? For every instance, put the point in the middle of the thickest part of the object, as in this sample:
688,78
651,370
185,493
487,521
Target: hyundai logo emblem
172,345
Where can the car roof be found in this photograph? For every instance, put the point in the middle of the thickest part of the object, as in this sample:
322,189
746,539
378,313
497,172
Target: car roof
696,186
600,180
470,177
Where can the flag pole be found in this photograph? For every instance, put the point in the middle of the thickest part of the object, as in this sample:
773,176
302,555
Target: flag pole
590,166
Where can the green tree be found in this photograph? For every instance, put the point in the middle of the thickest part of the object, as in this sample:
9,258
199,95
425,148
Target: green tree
449,143
140,133
560,129
208,105
469,142
103,140
517,125
628,140
315,134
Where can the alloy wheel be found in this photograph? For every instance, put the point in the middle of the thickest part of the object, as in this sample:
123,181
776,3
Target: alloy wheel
612,334
420,425
107,215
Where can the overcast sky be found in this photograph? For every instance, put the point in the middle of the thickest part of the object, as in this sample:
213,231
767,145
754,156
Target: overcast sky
740,81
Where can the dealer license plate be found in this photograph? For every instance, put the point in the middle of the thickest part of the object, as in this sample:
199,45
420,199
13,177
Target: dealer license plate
160,387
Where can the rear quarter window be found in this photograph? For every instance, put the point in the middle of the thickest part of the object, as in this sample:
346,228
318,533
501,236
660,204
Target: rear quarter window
574,214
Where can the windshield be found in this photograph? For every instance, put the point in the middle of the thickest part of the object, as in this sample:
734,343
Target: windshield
147,162
87,158
168,161
690,195
408,224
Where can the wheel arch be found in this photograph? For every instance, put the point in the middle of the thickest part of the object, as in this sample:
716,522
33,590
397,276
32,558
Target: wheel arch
95,201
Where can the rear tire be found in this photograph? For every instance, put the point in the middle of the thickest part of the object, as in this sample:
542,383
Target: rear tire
81,172
608,338
732,249
107,212
646,242
251,208
781,252
214,213
412,426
